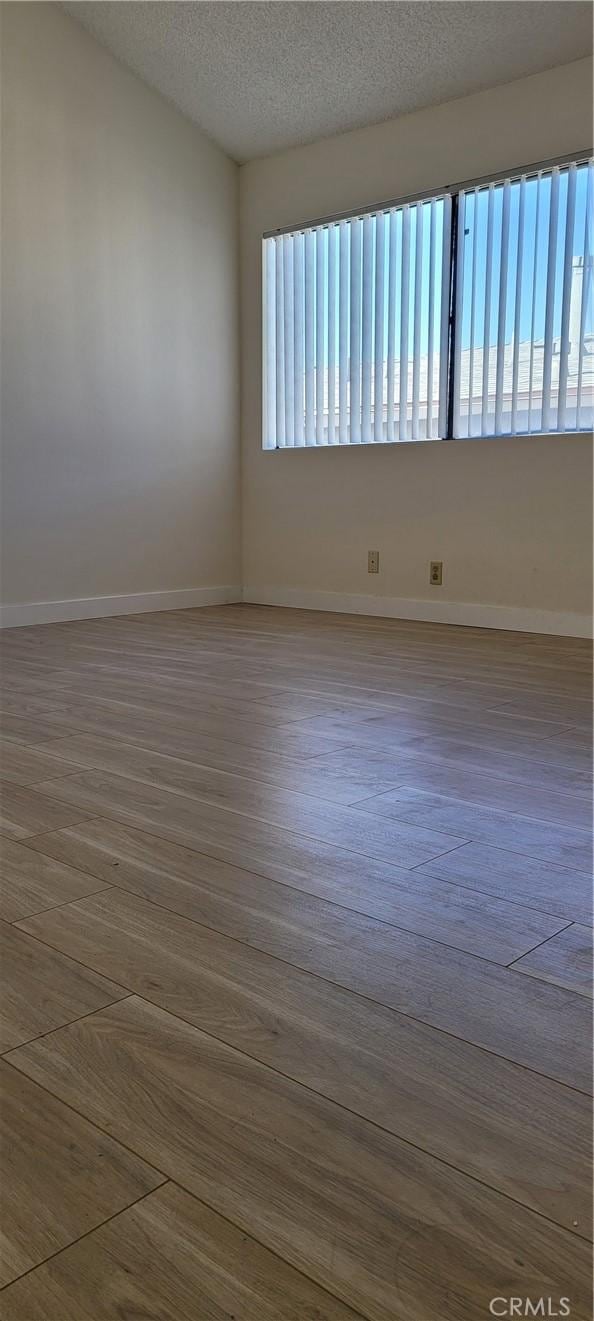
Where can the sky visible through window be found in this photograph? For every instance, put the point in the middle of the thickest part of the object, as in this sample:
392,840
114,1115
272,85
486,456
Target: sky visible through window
535,240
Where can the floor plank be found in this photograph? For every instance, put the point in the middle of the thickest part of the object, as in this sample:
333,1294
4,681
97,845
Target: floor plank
23,702
209,698
477,727
24,765
334,873
558,682
173,1258
169,1089
225,801
30,730
105,716
575,739
151,766
257,700
178,738
454,756
411,1079
155,951
436,714
84,1176
566,960
513,876
558,844
491,792
436,734
26,812
32,882
323,777
573,710
42,989
246,904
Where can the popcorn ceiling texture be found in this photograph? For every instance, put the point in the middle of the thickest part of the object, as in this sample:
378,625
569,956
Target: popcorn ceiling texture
261,77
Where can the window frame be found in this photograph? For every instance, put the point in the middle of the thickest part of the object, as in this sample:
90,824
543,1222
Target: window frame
453,191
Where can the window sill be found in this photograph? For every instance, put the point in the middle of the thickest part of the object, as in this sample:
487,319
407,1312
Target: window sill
443,440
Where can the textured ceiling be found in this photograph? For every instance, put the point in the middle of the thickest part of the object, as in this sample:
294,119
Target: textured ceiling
259,77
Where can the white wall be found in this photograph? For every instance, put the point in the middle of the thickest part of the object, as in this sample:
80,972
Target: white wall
511,519
120,364
120,333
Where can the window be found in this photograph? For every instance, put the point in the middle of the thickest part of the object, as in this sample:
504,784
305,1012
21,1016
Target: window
524,343
356,329
462,315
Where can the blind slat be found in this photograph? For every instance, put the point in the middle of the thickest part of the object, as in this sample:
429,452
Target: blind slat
344,332
299,348
355,345
379,347
473,294
445,318
404,321
503,281
391,349
418,312
487,318
332,262
431,324
550,302
310,286
566,299
269,355
586,290
518,305
289,286
280,343
321,290
367,328
537,225
459,310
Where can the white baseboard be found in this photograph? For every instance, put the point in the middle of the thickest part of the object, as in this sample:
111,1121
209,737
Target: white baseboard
514,618
97,607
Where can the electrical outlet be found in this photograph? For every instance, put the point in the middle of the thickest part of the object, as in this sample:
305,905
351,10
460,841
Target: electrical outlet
373,561
436,573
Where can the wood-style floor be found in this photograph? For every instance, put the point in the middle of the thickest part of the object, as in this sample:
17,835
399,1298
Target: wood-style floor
296,965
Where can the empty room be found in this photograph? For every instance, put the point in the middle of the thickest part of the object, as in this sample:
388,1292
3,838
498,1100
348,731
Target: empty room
296,664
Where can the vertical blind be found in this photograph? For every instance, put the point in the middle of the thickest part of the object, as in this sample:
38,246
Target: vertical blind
365,340
524,343
356,329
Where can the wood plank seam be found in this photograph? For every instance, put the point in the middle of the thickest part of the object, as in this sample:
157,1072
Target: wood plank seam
79,1018
318,976
294,1083
346,908
58,1253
